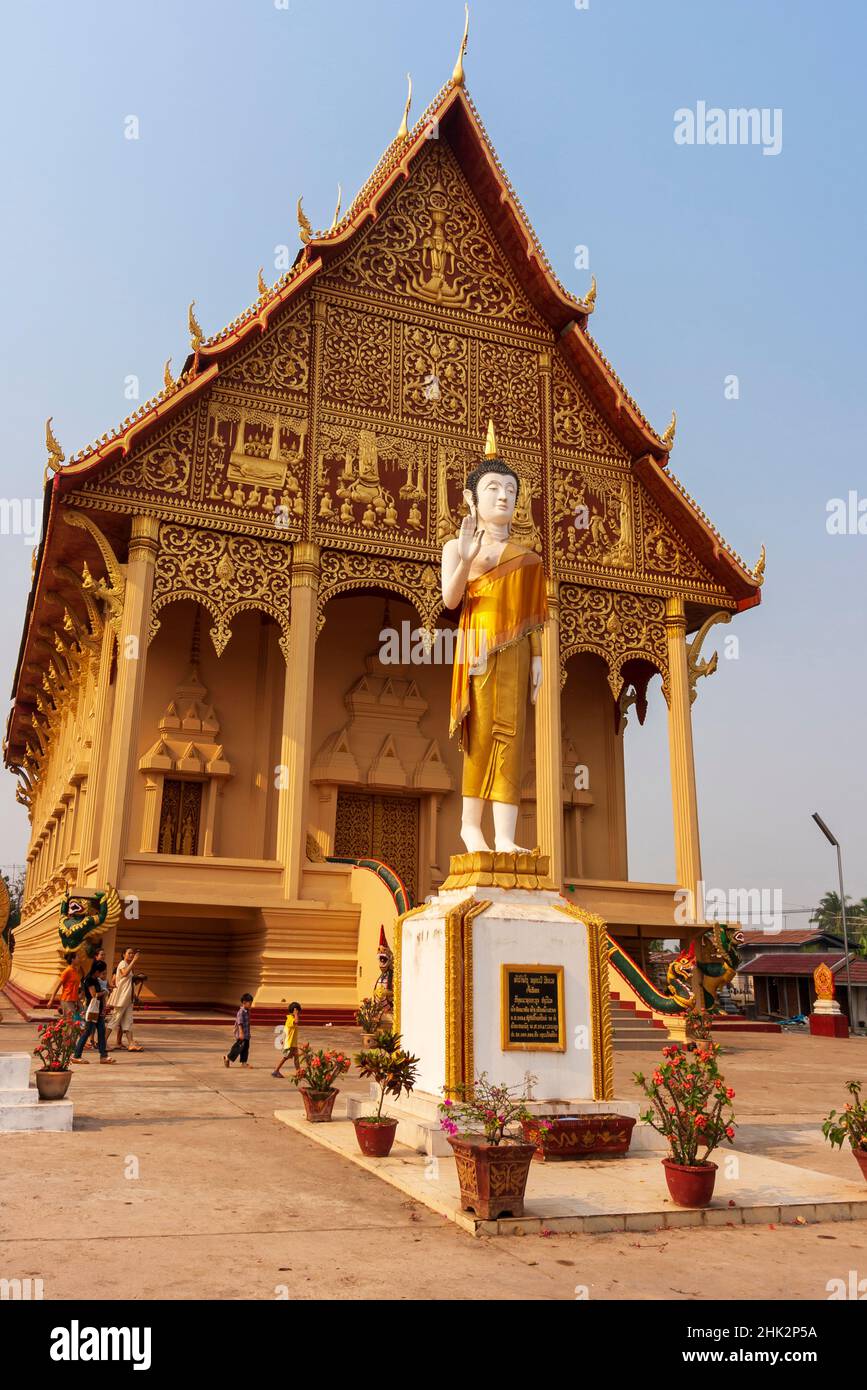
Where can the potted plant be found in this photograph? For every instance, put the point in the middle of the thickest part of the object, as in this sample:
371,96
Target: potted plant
370,1016
492,1163
55,1047
691,1108
850,1124
315,1075
394,1071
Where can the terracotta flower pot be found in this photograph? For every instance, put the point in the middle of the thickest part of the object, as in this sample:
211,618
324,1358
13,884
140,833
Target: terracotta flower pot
319,1104
861,1160
53,1085
375,1137
573,1136
492,1177
690,1185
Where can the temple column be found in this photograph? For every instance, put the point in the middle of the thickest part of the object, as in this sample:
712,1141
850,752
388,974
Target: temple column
687,849
100,738
294,770
549,742
129,686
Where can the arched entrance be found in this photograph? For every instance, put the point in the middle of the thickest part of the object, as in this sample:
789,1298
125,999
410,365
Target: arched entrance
383,771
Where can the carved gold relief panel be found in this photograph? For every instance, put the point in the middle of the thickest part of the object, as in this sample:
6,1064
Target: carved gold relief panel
431,244
255,462
619,627
343,571
226,574
436,374
357,355
280,360
577,423
508,391
594,517
665,553
372,483
163,470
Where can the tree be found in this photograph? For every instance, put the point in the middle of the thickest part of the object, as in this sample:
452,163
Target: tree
829,918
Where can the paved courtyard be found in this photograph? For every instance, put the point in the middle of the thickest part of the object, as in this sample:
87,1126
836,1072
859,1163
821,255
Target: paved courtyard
189,1187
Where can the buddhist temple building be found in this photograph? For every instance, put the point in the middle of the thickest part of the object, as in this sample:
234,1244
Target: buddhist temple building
206,714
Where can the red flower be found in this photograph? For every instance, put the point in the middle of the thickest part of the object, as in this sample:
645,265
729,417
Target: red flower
730,1093
730,1132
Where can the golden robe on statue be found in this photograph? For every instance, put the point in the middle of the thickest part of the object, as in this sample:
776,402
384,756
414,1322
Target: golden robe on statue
504,611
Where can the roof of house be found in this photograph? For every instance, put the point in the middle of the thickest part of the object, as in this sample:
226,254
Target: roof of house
768,937
793,962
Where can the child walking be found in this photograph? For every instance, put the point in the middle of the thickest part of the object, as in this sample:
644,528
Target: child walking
94,1016
241,1046
290,1037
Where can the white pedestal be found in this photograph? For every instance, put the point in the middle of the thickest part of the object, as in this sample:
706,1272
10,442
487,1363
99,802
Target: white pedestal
450,991
21,1110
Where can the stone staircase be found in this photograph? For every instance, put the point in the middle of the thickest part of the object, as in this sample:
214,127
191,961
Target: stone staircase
634,1029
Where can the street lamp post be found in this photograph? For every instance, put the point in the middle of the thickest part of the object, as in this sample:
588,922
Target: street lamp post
836,843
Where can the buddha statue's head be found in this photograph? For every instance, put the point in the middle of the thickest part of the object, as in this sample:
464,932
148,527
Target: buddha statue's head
491,490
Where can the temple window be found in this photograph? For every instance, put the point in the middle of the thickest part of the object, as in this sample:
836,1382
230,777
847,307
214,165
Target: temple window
185,769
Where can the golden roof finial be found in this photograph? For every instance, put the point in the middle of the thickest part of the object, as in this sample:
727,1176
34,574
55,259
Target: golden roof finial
668,437
56,456
491,442
759,571
263,288
336,218
168,379
196,334
403,128
458,74
305,231
590,296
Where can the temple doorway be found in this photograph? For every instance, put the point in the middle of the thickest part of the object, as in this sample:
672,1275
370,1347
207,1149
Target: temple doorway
370,825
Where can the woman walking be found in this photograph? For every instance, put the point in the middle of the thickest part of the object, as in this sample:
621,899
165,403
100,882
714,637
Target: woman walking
94,1016
120,1001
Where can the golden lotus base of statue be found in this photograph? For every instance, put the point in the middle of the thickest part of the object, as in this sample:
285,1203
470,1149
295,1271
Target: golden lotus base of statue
487,868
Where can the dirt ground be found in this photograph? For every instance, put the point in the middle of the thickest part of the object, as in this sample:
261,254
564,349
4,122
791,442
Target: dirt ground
190,1188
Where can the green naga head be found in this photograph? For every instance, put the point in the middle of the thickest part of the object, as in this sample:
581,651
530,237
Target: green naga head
86,914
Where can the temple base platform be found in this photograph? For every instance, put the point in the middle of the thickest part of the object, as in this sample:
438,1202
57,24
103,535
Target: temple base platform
593,1196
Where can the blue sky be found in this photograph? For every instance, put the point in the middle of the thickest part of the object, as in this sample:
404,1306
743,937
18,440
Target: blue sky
711,260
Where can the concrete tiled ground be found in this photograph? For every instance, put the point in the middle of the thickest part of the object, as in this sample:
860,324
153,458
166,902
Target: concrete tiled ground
194,1189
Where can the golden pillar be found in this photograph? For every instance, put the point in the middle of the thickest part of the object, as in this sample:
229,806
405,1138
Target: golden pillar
687,849
294,769
88,846
129,686
549,742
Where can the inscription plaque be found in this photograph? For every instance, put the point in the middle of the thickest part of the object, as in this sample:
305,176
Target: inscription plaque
531,1009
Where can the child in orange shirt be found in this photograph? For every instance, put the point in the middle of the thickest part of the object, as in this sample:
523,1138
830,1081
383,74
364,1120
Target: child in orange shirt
69,984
